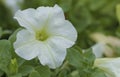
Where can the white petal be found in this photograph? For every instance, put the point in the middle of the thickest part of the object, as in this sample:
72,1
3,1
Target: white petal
59,52
26,45
111,66
62,42
58,13
64,29
49,14
42,15
29,50
26,18
23,37
51,55
55,50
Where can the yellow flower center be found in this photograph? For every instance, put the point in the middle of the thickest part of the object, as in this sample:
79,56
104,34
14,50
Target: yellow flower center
42,35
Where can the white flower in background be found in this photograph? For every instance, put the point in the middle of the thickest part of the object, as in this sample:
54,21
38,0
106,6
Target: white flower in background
108,43
47,35
110,66
98,49
14,5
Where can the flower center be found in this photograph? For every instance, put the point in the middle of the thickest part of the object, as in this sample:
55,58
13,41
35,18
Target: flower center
41,35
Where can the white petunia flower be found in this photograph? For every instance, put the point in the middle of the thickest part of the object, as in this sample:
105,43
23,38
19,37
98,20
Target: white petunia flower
47,35
110,66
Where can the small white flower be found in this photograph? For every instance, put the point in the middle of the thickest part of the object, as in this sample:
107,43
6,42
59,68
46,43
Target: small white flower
47,35
110,66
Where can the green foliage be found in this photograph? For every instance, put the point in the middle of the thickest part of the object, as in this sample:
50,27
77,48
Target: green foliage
17,75
98,73
26,69
83,60
76,61
34,74
5,55
77,58
40,71
43,72
13,67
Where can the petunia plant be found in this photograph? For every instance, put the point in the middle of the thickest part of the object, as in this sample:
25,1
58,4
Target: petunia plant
47,44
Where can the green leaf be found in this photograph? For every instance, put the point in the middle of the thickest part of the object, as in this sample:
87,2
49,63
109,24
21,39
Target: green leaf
5,55
35,74
89,56
74,57
25,70
44,71
80,59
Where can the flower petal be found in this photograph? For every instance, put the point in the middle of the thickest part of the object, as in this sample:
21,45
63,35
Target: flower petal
111,66
61,41
64,29
25,45
26,18
51,55
46,14
58,13
29,50
55,50
23,37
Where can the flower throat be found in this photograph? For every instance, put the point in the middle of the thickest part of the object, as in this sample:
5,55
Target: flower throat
41,35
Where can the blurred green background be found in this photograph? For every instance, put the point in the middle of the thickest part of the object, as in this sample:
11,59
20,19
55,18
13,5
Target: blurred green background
88,16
